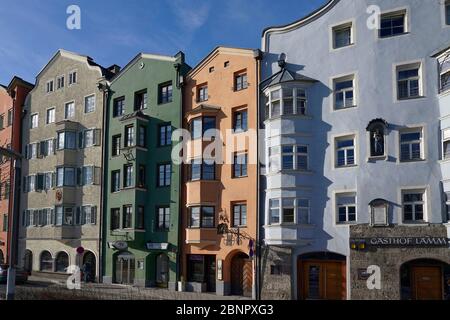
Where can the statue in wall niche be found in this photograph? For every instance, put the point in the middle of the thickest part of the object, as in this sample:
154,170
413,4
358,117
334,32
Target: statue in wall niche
377,143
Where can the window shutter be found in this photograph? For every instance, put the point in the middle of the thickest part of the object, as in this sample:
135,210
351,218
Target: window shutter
94,215
39,181
53,179
78,216
97,137
97,175
52,215
54,146
83,215
81,139
79,176
36,218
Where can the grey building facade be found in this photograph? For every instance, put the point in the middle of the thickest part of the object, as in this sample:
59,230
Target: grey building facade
354,187
61,173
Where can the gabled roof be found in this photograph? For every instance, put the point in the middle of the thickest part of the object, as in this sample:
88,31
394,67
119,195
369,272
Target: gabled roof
17,81
299,23
285,75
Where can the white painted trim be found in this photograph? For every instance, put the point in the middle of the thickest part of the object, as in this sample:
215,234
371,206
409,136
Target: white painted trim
345,23
335,137
427,204
422,78
344,77
335,212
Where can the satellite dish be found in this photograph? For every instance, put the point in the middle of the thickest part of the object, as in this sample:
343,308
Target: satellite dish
282,60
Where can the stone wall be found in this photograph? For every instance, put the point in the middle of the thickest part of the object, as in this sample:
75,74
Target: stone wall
390,259
277,286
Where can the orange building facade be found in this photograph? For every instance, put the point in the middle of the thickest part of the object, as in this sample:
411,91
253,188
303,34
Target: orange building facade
12,99
219,214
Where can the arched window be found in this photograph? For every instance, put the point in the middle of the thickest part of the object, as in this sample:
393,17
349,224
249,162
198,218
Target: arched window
46,262
62,262
377,132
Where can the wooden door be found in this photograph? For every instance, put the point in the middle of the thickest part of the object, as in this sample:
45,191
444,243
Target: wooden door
247,281
241,276
427,283
322,280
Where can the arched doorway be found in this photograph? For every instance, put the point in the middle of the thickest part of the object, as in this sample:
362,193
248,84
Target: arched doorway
89,266
46,262
321,276
62,262
28,261
241,275
425,279
162,270
125,268
2,257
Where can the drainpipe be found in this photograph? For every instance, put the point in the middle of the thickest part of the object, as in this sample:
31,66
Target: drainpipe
256,295
104,87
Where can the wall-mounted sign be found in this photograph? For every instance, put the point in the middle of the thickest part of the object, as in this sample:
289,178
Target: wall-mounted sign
399,242
157,246
220,270
119,245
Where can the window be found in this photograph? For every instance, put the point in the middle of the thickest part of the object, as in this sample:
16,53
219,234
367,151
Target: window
87,175
89,104
165,135
202,217
66,140
445,81
59,213
202,93
5,223
411,145
408,82
31,151
141,182
345,152
446,143
128,176
344,96
50,116
69,110
288,211
274,211
10,117
48,180
165,91
60,82
226,64
115,219
240,81
202,170
392,24
294,157
240,121
286,101
46,262
413,206
88,138
239,215
115,181
240,165
116,141
34,121
342,36
346,208
88,215
164,175
118,107
65,176
140,218
163,218
142,137
199,126
447,12
447,206
68,216
303,211
30,183
127,218
211,69
140,100
50,86
129,136
72,77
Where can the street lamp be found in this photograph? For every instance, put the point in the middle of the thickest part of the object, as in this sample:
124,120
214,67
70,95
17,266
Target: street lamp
11,279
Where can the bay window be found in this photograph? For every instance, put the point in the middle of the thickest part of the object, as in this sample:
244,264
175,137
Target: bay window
65,177
66,140
286,102
288,211
202,217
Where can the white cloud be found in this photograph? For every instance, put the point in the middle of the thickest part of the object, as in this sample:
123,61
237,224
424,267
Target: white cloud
191,15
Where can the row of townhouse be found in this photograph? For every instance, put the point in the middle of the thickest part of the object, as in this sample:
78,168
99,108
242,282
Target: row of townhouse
305,168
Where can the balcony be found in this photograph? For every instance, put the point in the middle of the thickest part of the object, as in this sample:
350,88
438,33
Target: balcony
201,237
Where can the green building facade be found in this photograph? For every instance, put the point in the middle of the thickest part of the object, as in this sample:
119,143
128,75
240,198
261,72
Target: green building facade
141,185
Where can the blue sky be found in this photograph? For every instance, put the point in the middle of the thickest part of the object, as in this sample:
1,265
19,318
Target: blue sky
114,31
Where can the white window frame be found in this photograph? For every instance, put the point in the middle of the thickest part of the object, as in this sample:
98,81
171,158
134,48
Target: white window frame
60,80
85,103
336,80
298,93
444,5
424,203
336,208
70,79
445,138
345,149
295,154
339,27
419,79
32,125
47,120
421,141
49,89
395,12
280,208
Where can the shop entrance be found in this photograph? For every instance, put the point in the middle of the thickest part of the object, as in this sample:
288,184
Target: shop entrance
321,276
125,268
425,279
